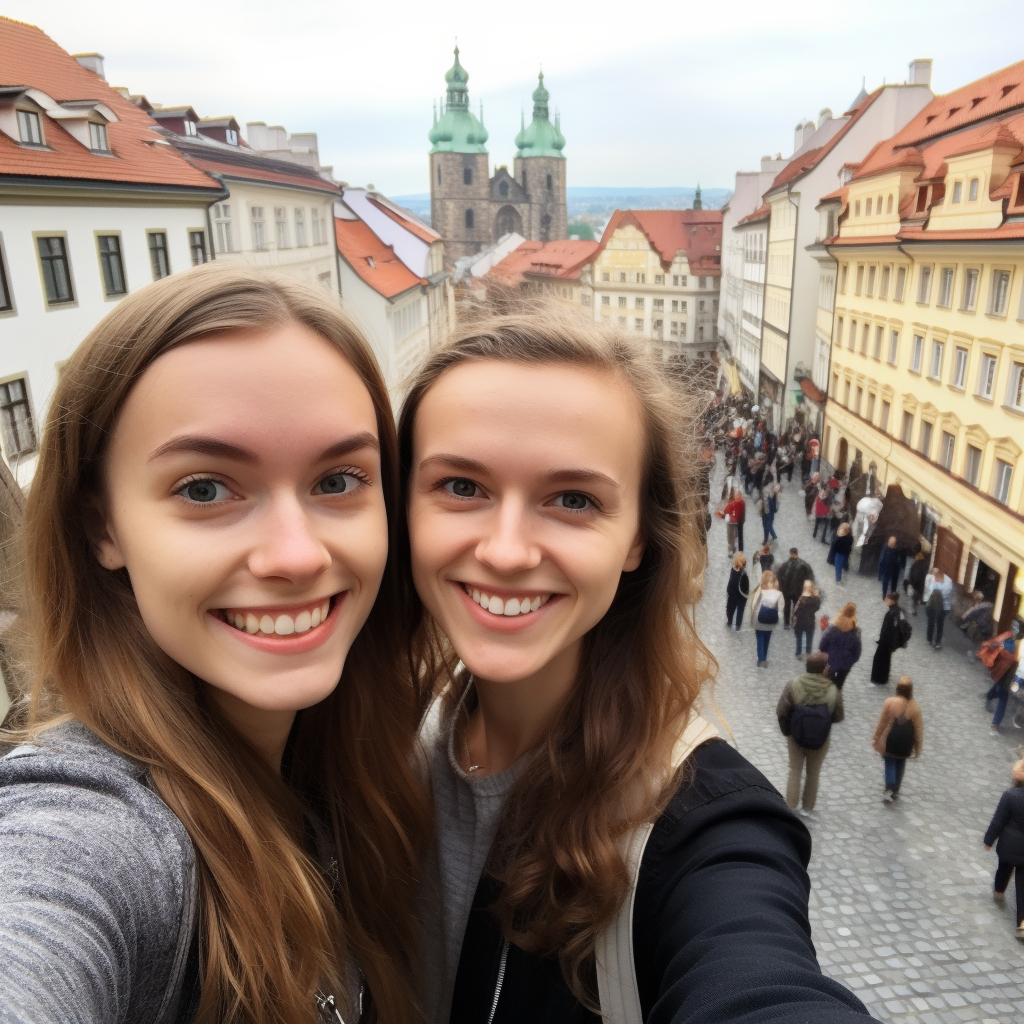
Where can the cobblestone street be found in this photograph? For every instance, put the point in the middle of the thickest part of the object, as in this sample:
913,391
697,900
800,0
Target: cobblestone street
901,904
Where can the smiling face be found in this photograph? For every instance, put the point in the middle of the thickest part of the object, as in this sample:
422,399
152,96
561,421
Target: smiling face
524,511
241,491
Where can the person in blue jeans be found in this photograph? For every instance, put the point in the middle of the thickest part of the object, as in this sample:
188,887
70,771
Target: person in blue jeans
839,552
765,613
1003,669
903,714
805,613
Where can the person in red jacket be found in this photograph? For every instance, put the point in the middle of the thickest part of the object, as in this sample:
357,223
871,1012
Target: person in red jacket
735,515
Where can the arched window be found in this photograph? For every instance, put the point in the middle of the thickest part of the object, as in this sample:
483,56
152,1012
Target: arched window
503,189
867,210
469,218
467,175
439,174
972,190
888,204
549,182
524,177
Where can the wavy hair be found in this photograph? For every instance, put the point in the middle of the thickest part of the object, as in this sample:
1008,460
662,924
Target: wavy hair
847,618
270,931
641,667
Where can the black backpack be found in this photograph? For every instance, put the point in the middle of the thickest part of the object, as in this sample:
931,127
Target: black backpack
810,725
900,741
904,630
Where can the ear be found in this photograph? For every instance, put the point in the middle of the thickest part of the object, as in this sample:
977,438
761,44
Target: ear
635,553
100,535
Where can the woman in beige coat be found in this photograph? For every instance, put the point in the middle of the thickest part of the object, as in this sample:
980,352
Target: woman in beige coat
898,735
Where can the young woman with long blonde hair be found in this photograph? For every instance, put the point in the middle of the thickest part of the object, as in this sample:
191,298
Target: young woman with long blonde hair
556,542
212,814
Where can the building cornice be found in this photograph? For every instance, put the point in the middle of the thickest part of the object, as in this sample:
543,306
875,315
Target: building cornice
43,191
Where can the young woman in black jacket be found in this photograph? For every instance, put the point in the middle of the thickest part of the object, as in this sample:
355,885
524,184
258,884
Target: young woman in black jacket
558,576
737,591
1007,831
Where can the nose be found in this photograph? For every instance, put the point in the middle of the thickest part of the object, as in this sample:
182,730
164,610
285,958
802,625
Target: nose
508,545
287,545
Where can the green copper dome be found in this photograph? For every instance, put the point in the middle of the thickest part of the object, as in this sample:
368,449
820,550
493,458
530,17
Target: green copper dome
457,130
541,138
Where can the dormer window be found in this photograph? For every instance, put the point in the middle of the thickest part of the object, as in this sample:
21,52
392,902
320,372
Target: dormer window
972,191
958,191
30,129
98,141
190,128
231,136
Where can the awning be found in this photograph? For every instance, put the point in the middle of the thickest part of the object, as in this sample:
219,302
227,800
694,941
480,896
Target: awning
812,391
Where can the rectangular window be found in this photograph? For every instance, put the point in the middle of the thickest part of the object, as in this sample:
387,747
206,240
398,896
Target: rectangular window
860,397
987,376
622,301
701,283
924,285
935,370
6,300
871,281
894,347
300,227
638,323
959,368
197,247
659,305
851,342
319,232
846,394
839,330
918,354
908,427
1000,296
112,264
972,465
674,328
870,413
281,227
864,336
859,287
901,284
657,325
675,280
971,290
16,419
221,213
947,445
606,300
682,306
883,288
638,303
98,138
925,440
622,275
883,423
879,333
946,287
259,234
641,278
29,128
843,273
1001,478
56,270
158,254
958,191
606,276
659,278
972,190
1014,390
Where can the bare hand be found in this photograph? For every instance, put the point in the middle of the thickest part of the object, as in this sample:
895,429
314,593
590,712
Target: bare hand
987,848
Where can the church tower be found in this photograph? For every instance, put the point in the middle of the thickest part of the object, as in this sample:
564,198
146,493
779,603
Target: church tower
540,170
459,187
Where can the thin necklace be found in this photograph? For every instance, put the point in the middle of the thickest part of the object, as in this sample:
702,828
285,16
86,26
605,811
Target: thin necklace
465,741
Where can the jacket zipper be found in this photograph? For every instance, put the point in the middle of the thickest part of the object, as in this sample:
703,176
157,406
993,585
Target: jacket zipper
501,981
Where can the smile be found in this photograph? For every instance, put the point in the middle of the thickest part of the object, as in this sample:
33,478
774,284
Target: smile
509,606
265,622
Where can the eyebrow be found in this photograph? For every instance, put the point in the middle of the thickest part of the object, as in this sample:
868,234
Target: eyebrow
197,444
576,476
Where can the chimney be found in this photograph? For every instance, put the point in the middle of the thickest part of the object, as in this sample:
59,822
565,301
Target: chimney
921,71
825,115
256,134
94,62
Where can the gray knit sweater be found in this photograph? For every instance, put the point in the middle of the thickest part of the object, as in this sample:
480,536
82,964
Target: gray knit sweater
97,888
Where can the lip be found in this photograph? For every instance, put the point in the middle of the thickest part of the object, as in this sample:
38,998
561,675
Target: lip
502,623
297,643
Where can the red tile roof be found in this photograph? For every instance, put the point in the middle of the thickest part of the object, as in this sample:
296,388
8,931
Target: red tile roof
698,233
372,260
763,212
252,171
29,58
419,229
561,259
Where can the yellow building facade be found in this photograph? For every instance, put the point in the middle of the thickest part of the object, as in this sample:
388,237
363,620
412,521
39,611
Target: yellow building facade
927,359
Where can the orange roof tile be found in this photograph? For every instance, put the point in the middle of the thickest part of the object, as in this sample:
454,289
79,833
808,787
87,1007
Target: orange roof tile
252,170
29,58
372,260
562,259
698,233
763,212
419,229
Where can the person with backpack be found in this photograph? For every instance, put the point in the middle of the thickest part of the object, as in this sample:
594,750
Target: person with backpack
1006,831
841,642
809,706
895,633
764,614
898,735
938,599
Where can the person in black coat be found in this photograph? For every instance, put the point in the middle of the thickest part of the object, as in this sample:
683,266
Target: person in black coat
1007,832
839,552
737,590
888,640
915,580
889,567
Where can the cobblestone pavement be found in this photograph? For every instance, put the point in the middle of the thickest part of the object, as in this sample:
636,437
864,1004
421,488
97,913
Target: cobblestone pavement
901,900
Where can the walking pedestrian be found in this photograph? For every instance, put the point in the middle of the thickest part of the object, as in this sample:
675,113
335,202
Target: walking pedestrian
889,567
737,590
837,509
891,637
938,600
915,581
769,505
810,494
821,511
792,574
734,514
839,552
809,706
999,655
805,616
765,557
764,614
841,642
1006,831
898,735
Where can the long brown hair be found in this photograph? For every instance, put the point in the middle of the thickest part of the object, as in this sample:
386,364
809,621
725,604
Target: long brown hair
270,931
641,667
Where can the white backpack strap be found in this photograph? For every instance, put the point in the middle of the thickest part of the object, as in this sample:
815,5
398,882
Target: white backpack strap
616,971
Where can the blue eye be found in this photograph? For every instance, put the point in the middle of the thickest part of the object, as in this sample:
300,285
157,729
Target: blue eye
573,501
339,483
460,487
204,491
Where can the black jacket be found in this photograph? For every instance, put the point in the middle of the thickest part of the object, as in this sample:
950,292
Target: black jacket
1008,827
840,546
739,584
720,929
792,574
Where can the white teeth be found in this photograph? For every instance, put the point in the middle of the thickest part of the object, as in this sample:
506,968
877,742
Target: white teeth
535,604
266,624
496,606
252,624
279,625
284,625
512,606
314,618
303,622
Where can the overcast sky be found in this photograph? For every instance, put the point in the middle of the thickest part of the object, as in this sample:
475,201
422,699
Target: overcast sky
651,94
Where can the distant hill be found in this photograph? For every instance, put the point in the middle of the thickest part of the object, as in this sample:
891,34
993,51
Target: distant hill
595,204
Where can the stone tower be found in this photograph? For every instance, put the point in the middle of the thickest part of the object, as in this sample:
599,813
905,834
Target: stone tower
459,183
540,170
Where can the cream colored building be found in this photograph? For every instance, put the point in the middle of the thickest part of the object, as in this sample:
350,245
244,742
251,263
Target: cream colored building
927,369
657,273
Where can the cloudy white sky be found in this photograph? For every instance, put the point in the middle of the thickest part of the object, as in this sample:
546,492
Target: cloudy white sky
651,94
